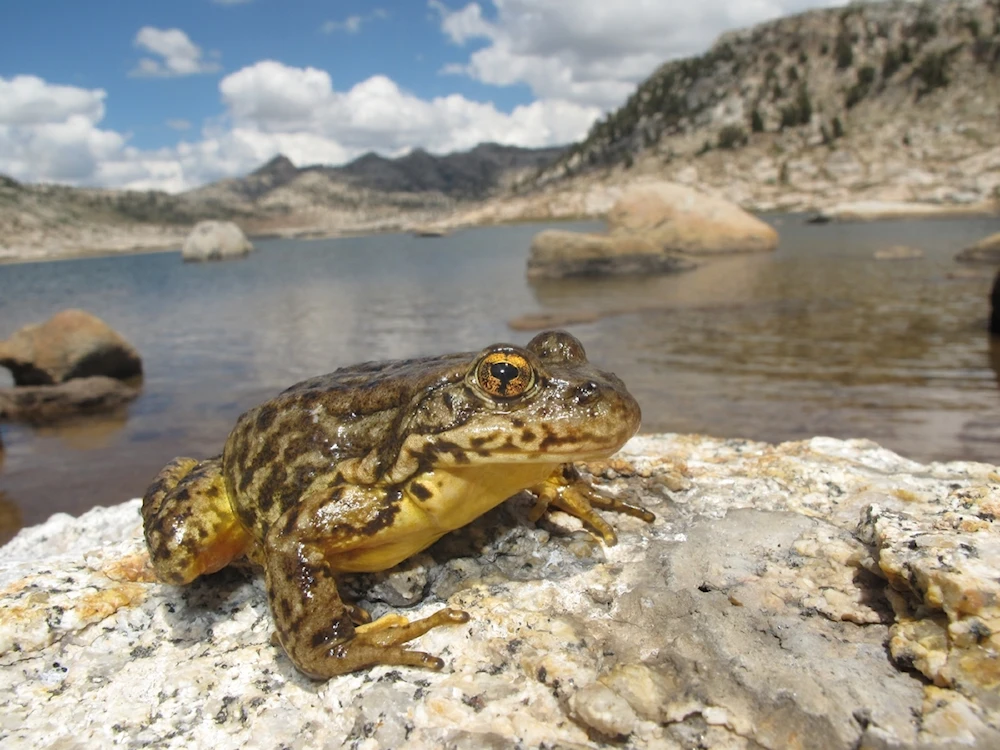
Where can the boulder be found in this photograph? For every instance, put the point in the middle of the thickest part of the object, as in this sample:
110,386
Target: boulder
987,250
881,210
898,252
557,254
822,594
70,344
679,219
215,240
40,404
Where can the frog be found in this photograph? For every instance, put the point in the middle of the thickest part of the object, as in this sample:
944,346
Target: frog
357,470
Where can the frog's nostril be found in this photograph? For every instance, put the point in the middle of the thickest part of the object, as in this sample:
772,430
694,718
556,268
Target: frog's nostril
587,393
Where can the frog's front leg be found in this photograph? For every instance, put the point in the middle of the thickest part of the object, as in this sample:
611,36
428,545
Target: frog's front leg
319,632
567,491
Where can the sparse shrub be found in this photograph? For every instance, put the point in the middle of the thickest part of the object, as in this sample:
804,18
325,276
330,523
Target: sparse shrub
799,112
705,148
892,62
932,72
793,74
838,128
756,121
783,173
803,58
732,136
844,50
861,89
628,161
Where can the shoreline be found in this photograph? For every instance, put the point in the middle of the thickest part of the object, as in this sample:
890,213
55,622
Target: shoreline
894,211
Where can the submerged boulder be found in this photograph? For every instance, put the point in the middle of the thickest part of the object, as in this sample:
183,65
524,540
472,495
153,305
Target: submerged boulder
40,404
215,240
987,250
70,344
817,594
898,252
557,253
679,219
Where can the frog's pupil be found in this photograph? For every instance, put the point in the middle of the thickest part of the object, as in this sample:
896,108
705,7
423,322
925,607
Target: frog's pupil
505,372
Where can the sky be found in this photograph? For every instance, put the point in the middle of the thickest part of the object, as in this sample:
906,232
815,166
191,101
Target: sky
171,94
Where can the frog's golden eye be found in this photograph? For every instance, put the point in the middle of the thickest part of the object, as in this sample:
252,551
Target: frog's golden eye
505,374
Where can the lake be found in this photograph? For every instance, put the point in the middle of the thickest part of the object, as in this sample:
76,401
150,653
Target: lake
815,339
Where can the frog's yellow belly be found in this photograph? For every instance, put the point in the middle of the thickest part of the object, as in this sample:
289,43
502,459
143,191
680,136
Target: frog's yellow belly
435,503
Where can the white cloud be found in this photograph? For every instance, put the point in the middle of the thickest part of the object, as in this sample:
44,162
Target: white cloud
376,114
271,108
179,56
178,123
593,52
29,100
353,24
578,58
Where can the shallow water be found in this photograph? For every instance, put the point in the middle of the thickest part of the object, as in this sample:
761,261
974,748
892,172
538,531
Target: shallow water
816,338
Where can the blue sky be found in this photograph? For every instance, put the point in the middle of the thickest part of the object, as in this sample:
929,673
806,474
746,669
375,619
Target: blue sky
148,93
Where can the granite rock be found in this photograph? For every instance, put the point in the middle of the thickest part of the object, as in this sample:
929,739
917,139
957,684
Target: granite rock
821,594
556,253
71,344
987,250
215,240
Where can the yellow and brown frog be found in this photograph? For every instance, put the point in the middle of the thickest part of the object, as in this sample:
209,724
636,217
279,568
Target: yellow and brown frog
357,470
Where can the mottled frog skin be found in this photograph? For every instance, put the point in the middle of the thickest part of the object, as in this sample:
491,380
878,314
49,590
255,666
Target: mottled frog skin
359,469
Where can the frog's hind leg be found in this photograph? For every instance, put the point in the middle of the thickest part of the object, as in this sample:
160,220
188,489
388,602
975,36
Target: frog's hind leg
321,634
189,524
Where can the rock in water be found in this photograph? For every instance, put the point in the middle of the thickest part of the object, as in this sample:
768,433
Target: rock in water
41,404
898,252
215,240
677,218
987,250
820,594
559,254
70,344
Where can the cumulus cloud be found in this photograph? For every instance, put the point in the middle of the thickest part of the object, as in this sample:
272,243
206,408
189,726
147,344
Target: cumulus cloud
270,108
592,52
579,57
178,55
178,123
29,100
274,98
353,24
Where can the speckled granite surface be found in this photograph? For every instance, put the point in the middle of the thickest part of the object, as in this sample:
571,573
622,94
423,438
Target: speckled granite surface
823,594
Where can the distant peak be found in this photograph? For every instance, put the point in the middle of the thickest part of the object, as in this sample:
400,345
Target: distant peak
279,163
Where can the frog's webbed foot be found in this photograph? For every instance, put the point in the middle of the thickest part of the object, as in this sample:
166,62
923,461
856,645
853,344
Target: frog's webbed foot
321,634
567,491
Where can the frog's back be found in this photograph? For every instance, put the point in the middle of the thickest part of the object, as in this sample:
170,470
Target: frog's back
278,449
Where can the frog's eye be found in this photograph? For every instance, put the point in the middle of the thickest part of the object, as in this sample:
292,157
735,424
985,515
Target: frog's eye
505,374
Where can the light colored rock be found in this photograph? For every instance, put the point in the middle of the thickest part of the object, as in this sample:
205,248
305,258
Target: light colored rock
677,218
987,250
557,253
70,344
756,611
215,240
898,252
874,210
40,404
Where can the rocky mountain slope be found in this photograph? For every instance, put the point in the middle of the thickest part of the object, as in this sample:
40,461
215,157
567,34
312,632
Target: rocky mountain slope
369,194
889,101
